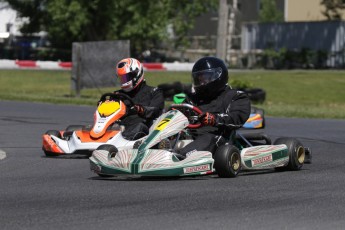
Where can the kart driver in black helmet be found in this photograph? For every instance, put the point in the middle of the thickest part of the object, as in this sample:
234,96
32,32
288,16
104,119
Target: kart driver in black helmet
224,109
149,101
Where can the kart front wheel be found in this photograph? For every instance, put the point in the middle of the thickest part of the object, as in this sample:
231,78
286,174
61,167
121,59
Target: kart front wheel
227,161
137,144
296,153
54,133
70,129
104,175
57,134
111,149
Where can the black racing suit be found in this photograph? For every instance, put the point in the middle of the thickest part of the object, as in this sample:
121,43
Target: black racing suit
152,100
231,108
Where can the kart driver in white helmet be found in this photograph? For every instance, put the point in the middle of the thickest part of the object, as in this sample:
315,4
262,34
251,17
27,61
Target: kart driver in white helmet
149,101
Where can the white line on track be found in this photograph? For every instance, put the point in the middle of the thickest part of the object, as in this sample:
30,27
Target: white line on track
2,155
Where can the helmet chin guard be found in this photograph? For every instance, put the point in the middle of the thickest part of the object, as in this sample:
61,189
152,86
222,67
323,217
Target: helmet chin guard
128,86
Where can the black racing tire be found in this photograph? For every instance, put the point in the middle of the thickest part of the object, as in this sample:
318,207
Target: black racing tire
296,153
54,133
72,128
256,95
110,148
112,152
227,161
137,144
104,175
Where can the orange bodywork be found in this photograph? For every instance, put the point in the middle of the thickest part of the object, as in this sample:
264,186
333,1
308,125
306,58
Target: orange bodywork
50,146
257,117
120,112
85,136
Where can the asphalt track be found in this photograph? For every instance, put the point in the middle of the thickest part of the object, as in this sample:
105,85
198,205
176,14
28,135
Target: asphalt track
45,193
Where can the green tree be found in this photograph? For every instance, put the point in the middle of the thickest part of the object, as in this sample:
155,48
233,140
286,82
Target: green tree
143,22
332,9
269,12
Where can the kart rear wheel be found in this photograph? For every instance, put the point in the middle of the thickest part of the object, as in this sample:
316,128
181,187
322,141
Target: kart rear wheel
54,133
111,149
227,161
296,153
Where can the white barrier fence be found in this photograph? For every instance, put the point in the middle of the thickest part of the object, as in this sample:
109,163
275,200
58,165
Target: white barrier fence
51,65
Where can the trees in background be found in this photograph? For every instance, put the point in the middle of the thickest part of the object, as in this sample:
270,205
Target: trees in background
144,22
269,12
332,9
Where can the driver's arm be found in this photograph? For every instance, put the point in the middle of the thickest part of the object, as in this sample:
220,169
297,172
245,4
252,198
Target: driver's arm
156,105
237,112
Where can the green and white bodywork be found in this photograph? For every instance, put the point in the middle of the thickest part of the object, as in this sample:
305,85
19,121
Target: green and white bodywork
146,161
264,157
154,156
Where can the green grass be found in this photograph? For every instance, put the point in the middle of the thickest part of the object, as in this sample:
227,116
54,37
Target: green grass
313,94
308,94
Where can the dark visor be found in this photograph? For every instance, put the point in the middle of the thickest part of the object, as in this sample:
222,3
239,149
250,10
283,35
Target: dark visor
205,76
127,77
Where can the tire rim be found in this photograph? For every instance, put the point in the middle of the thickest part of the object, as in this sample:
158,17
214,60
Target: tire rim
235,162
300,155
112,154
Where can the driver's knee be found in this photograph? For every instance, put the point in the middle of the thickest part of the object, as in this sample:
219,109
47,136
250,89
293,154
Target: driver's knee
135,132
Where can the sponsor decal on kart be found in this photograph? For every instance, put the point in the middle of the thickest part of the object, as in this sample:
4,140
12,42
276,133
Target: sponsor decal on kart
262,160
198,168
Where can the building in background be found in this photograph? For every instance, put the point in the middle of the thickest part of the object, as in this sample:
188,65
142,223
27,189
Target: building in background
307,10
304,20
15,45
306,35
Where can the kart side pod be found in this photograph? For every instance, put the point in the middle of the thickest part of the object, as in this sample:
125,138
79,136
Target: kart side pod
285,154
264,157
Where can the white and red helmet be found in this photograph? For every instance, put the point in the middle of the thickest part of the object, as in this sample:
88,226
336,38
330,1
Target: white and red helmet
130,73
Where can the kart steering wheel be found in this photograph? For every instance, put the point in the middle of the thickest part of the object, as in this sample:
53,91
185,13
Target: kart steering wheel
191,108
117,97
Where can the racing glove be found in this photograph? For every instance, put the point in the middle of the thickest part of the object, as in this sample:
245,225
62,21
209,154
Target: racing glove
208,119
139,109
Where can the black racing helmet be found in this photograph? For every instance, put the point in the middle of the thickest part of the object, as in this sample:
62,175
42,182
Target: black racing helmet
209,76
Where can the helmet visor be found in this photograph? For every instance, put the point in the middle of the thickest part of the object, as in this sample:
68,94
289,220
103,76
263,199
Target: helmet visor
204,77
124,78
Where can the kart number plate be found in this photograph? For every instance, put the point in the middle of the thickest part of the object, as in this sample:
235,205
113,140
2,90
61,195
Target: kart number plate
162,124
